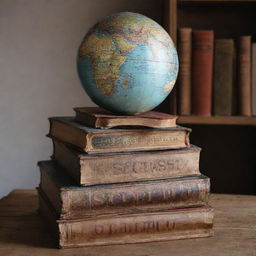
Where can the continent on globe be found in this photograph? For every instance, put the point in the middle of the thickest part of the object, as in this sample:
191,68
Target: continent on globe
127,63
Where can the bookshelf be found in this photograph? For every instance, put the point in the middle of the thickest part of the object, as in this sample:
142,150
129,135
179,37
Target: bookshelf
218,120
228,142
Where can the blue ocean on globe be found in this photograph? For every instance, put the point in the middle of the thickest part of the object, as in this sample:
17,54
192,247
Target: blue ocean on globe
127,63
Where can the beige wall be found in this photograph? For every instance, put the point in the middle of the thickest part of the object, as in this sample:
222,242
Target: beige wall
38,45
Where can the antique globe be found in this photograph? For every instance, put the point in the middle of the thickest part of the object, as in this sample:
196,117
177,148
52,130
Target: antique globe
127,63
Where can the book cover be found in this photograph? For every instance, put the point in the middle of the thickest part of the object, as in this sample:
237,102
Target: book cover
91,169
71,200
184,77
92,140
223,77
254,79
101,118
244,76
202,68
128,228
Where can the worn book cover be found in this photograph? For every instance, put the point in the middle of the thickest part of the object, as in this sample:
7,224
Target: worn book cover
128,228
184,77
71,200
223,77
202,68
91,169
92,140
100,118
244,76
254,79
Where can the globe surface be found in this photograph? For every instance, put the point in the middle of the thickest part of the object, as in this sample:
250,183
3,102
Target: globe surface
127,63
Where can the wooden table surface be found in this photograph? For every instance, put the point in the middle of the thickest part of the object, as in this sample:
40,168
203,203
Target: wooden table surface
22,232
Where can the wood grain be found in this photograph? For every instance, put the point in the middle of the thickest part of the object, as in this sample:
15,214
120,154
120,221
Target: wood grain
22,232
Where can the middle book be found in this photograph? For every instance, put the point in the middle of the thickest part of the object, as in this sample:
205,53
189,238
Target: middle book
71,201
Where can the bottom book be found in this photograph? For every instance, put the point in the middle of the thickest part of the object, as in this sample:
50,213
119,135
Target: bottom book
128,228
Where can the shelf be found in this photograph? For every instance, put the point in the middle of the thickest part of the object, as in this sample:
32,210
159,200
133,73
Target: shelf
218,120
216,1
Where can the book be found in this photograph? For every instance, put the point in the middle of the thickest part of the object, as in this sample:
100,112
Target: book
244,76
92,140
101,118
202,68
184,77
223,77
71,200
254,79
128,228
91,169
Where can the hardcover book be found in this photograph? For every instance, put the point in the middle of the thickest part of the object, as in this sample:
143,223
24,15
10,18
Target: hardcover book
128,228
92,140
202,68
71,200
184,77
91,169
101,118
254,79
244,76
223,76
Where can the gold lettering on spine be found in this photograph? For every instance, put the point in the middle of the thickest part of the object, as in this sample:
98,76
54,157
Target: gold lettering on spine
136,140
136,227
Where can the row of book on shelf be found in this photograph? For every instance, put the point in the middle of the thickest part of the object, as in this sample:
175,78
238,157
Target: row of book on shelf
217,76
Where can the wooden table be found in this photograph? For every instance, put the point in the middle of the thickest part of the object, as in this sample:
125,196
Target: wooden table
22,233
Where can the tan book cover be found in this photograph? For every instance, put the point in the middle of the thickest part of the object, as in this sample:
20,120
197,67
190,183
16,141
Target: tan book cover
92,140
101,118
128,228
91,169
71,200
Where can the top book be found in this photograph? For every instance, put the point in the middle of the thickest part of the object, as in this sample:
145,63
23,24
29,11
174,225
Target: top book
92,140
100,118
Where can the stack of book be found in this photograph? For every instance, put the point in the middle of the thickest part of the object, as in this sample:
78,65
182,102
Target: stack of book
127,184
217,76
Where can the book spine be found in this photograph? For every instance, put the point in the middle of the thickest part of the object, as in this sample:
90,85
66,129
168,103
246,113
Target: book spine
134,167
120,140
129,228
254,79
139,141
244,76
136,229
202,66
148,196
223,76
184,79
103,169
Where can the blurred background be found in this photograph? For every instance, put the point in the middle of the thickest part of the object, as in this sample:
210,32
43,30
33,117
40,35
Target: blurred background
38,77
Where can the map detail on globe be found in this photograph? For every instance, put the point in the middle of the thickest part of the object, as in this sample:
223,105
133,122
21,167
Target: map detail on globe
127,63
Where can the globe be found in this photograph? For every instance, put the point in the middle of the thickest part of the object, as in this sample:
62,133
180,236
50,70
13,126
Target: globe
127,63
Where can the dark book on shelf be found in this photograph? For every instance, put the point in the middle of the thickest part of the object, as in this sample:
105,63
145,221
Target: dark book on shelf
254,79
184,77
223,76
244,76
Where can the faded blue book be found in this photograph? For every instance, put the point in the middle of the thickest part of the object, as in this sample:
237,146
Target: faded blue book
92,140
